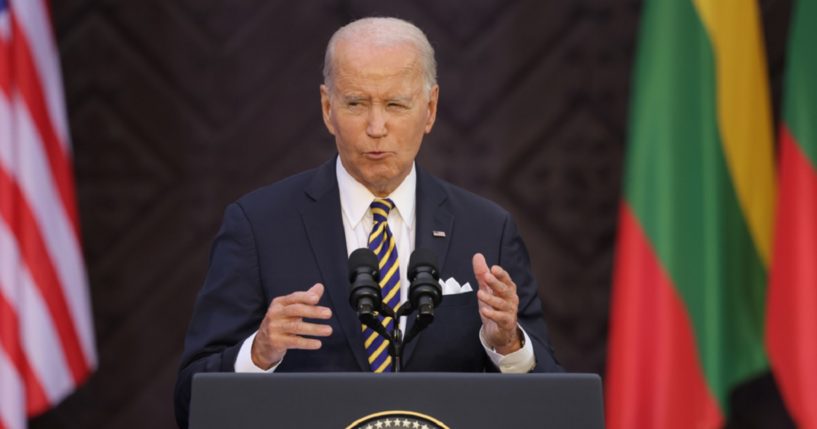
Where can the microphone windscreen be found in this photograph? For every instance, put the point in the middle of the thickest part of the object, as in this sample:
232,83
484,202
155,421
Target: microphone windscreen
422,258
362,257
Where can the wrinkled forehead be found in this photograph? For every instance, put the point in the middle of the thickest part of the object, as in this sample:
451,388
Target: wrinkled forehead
375,62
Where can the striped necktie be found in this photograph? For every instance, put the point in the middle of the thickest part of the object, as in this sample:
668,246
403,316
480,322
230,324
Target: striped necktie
381,242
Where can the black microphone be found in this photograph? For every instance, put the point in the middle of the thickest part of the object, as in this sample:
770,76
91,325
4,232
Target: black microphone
364,275
425,291
366,299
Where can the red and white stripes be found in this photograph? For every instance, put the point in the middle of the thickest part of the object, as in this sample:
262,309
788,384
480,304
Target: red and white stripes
46,332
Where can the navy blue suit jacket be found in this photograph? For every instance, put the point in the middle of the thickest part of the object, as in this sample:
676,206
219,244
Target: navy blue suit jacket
289,235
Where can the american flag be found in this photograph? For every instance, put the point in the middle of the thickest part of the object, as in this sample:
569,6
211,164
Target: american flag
46,332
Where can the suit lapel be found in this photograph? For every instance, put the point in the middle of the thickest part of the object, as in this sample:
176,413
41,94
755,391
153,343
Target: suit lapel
324,228
435,224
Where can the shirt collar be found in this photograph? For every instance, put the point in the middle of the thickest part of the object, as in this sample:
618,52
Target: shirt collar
355,198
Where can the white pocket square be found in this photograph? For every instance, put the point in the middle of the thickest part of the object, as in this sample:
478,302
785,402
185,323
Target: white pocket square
452,287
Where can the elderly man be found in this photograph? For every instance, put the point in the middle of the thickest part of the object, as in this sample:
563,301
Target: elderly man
276,294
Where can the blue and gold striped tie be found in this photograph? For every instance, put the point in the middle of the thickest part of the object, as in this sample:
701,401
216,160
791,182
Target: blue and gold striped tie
382,243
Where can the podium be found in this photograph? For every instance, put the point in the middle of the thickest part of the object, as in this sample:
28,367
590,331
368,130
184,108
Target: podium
402,400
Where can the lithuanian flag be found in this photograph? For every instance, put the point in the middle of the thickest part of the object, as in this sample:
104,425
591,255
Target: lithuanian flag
696,219
792,306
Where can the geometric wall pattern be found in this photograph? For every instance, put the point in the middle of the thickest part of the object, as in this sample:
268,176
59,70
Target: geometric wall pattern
177,108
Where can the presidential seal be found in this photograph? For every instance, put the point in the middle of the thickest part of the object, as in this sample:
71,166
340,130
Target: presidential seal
397,419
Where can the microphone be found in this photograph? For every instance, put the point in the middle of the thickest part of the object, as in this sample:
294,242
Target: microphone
364,275
425,291
366,299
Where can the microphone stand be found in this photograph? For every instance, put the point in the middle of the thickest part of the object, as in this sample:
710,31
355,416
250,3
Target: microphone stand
396,339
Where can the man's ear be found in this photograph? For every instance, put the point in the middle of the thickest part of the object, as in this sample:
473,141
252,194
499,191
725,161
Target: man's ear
433,98
326,109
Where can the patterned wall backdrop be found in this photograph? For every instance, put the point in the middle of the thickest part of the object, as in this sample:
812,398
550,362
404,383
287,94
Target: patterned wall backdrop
178,107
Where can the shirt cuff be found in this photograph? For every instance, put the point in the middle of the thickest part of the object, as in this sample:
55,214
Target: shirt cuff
520,361
244,363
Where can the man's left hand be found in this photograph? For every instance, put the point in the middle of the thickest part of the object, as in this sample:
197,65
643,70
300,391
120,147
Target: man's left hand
498,306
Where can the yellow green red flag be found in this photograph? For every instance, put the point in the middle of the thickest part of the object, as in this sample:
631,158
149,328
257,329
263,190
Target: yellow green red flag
696,218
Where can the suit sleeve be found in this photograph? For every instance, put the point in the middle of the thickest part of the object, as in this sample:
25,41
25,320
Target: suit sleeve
228,309
514,258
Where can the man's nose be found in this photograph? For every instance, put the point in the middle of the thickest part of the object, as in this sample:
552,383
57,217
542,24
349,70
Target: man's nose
376,126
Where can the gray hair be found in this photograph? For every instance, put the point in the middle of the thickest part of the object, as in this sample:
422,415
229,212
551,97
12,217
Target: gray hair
384,31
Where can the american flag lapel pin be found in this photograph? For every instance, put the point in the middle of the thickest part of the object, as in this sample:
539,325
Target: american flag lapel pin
440,234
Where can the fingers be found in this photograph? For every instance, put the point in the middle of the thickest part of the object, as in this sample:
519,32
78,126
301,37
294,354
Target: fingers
480,266
311,296
286,313
498,301
300,343
299,327
301,304
306,311
500,309
284,327
495,278
504,319
506,288
503,276
284,342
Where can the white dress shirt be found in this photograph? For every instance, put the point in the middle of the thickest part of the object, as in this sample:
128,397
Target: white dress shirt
357,224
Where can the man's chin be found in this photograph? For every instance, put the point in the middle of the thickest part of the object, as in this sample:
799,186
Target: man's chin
381,184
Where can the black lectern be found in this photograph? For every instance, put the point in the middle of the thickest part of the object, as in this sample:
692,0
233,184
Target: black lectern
403,400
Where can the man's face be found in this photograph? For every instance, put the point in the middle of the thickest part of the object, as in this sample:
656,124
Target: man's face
378,110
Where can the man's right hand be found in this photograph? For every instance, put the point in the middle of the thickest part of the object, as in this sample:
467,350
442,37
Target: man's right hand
284,328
